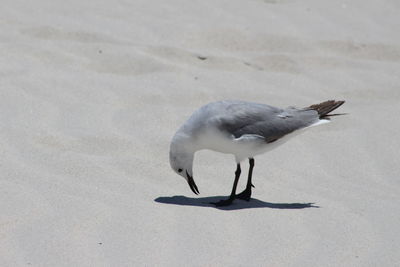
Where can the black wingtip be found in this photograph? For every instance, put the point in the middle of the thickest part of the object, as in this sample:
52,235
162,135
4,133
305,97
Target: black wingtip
192,184
324,108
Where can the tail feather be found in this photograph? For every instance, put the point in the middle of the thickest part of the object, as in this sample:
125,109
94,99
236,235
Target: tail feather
324,108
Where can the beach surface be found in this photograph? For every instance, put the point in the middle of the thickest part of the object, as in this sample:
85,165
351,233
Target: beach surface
91,93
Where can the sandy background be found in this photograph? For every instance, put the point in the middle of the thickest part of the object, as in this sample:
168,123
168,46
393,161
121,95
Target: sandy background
91,93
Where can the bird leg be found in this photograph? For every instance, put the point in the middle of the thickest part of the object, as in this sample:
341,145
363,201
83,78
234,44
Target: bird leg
229,201
246,194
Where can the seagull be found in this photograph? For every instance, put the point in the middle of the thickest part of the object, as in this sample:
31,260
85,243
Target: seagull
243,129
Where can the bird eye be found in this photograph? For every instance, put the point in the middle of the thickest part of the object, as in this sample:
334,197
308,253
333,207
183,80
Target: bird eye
180,170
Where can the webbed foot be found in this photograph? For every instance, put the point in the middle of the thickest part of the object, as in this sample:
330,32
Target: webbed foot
246,194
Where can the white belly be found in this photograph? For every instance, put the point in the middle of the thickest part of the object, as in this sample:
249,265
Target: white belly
242,148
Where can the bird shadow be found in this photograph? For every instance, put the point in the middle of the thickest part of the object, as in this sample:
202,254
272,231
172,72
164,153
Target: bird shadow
238,204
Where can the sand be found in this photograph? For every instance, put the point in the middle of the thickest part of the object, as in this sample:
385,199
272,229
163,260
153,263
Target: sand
91,93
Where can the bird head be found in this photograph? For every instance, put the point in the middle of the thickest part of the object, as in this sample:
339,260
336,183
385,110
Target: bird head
181,160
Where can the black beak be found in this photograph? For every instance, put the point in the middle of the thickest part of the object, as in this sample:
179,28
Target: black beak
192,184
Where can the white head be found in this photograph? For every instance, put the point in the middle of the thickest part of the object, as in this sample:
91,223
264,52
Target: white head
181,156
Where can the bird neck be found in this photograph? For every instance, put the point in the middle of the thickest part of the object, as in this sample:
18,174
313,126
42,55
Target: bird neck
184,144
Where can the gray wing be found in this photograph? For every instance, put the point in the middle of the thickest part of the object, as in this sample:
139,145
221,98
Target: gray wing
245,118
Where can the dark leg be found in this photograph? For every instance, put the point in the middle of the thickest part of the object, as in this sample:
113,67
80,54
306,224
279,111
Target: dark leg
229,201
246,194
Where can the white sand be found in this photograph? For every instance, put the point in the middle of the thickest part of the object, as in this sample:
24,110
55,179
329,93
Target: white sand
92,91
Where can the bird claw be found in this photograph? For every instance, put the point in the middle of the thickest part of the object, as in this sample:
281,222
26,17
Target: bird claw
245,195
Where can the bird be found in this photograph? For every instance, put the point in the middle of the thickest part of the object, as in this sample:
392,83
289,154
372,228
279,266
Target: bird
243,129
